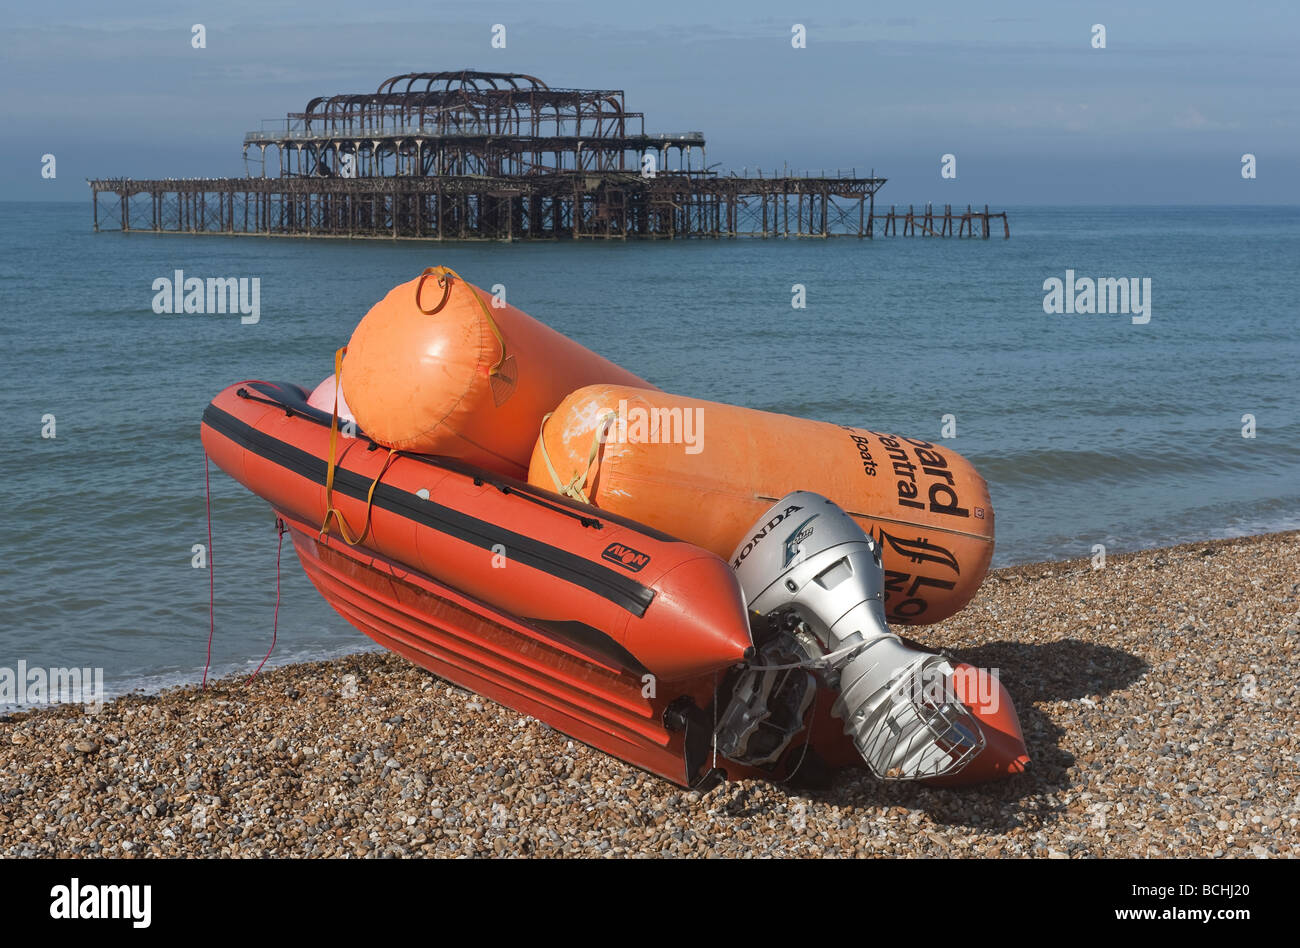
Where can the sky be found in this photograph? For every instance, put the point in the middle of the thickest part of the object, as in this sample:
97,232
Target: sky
1032,112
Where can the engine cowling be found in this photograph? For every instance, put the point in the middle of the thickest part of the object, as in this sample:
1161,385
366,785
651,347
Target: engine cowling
816,578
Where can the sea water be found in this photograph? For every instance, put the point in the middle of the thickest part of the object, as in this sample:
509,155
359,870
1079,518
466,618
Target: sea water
1090,429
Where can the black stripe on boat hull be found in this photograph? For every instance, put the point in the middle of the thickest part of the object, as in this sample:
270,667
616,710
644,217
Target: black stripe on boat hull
606,583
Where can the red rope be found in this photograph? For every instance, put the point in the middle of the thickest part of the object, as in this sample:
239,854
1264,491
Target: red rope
212,598
275,621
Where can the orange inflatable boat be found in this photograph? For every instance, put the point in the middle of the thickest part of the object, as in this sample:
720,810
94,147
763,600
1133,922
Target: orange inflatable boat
624,637
704,472
440,366
762,649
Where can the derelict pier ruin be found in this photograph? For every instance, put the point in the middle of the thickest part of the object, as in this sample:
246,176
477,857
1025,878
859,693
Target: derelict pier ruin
498,156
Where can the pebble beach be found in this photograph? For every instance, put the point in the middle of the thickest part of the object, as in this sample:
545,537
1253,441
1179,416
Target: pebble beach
1157,696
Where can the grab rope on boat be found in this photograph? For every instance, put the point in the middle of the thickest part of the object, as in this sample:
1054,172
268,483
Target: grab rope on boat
524,490
593,522
289,410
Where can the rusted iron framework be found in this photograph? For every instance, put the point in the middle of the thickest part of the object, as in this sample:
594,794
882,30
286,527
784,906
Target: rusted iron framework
497,156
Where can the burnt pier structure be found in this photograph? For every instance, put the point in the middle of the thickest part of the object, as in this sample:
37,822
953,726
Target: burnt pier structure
497,156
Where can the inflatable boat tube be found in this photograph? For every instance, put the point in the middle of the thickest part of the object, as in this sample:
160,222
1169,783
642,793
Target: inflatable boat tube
646,601
705,472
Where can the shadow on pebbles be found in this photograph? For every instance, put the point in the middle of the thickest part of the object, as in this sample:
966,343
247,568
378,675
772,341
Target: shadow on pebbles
1157,697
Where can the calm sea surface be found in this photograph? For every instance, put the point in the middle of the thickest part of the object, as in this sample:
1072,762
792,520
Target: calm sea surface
1089,429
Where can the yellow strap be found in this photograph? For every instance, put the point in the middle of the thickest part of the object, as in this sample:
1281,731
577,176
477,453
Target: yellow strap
332,512
575,486
445,275
334,425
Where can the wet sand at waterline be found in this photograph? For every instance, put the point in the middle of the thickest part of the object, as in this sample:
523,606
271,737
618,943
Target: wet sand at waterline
1157,696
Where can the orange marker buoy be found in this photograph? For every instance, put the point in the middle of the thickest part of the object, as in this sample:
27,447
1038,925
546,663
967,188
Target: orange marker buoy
440,367
705,472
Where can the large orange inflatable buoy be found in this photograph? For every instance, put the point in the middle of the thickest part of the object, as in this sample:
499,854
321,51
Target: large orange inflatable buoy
705,472
440,367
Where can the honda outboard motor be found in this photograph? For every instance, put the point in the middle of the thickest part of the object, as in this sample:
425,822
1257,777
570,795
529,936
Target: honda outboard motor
814,579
